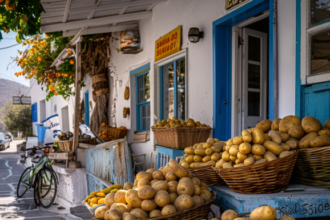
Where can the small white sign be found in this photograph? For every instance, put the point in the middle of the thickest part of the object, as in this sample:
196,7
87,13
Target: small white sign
21,100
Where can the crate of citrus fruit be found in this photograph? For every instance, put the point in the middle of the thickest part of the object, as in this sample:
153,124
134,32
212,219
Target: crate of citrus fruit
108,133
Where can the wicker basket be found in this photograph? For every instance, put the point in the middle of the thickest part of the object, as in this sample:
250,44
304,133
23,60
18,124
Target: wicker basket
313,167
208,176
198,212
101,91
66,146
204,134
114,132
177,138
99,78
269,177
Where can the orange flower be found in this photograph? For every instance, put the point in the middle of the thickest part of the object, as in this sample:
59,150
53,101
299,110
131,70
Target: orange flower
47,35
56,93
66,74
69,52
71,76
6,28
23,72
51,88
71,62
45,51
34,44
10,7
22,65
58,74
39,58
63,74
51,80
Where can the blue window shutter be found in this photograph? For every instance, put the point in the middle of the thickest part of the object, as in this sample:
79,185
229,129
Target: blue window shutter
34,112
87,108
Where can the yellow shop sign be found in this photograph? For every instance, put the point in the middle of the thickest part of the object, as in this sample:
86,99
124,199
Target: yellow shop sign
168,44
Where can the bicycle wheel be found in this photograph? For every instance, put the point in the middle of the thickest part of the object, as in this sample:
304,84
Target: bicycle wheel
35,190
24,183
47,187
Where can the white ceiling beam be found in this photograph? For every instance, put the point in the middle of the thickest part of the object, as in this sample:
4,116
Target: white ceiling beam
115,5
91,15
95,22
100,30
121,12
66,12
151,6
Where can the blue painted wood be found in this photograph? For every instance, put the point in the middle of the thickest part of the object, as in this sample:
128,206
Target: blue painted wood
34,112
161,98
169,152
145,67
298,45
87,108
311,203
271,43
139,105
175,91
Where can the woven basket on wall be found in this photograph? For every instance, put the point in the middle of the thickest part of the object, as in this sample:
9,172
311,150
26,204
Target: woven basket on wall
269,177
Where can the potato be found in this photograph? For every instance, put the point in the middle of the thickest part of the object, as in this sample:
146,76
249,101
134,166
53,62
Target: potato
227,165
161,185
273,147
113,215
249,161
284,154
215,156
135,183
233,150
269,156
247,137
197,200
310,124
229,215
148,205
145,192
296,132
106,215
196,165
185,187
284,137
189,151
152,182
155,213
227,147
286,218
258,136
167,210
132,198
129,208
120,207
208,151
257,157
263,212
225,156
196,181
172,186
323,140
199,146
120,196
139,213
293,143
128,216
260,161
206,195
216,148
250,130
151,170
184,164
285,146
173,197
197,190
183,202
198,158
143,182
304,142
258,149
204,186
200,152
128,186
237,161
325,128
211,141
230,142
207,145
100,211
177,169
287,122
275,124
264,125
171,176
245,148
275,137
141,175
327,124
185,179
239,165
158,175
266,136
220,163
238,140
161,169
324,132
241,156
109,199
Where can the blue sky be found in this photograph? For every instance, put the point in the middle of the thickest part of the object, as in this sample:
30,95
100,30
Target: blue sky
5,59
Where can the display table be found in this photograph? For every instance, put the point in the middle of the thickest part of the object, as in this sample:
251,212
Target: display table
164,154
310,203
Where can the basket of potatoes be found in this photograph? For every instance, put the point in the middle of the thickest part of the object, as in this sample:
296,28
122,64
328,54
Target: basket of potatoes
200,158
172,192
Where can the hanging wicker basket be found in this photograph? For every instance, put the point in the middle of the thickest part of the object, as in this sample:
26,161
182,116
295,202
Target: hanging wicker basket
126,111
126,93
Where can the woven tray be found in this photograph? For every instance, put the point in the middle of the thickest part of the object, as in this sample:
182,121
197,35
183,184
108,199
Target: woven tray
313,167
208,176
267,177
66,146
204,134
114,132
176,138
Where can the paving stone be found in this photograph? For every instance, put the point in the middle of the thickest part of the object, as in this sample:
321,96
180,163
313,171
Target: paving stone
5,188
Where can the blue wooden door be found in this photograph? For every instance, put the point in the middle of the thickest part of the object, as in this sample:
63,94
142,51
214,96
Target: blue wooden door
316,100
87,108
34,112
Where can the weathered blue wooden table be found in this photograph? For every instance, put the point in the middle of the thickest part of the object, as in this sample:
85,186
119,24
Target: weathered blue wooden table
312,202
164,154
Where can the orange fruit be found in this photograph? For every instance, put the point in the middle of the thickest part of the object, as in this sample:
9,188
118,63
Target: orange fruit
69,52
47,35
39,58
10,7
71,62
56,93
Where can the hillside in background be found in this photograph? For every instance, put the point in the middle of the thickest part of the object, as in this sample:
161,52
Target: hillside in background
8,89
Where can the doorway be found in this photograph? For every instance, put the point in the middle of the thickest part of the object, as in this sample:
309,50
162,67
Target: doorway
65,119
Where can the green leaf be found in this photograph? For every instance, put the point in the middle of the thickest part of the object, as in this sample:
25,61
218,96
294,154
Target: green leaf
118,50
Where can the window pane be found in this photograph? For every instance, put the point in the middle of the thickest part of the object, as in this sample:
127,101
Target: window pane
254,49
168,91
180,73
320,11
254,76
253,103
145,117
320,49
143,88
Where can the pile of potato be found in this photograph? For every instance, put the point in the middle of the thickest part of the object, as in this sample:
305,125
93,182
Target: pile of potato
203,154
176,123
269,141
155,193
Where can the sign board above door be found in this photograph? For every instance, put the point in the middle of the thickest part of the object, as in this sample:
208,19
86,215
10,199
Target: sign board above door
234,3
17,100
168,44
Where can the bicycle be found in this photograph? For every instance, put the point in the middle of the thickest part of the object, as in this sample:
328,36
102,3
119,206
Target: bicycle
41,177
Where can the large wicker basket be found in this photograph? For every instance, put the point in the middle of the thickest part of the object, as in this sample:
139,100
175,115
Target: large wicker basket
269,177
313,167
177,138
204,134
66,146
114,132
208,176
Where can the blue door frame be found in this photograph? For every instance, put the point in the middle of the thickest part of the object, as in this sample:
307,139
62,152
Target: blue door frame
222,42
87,108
